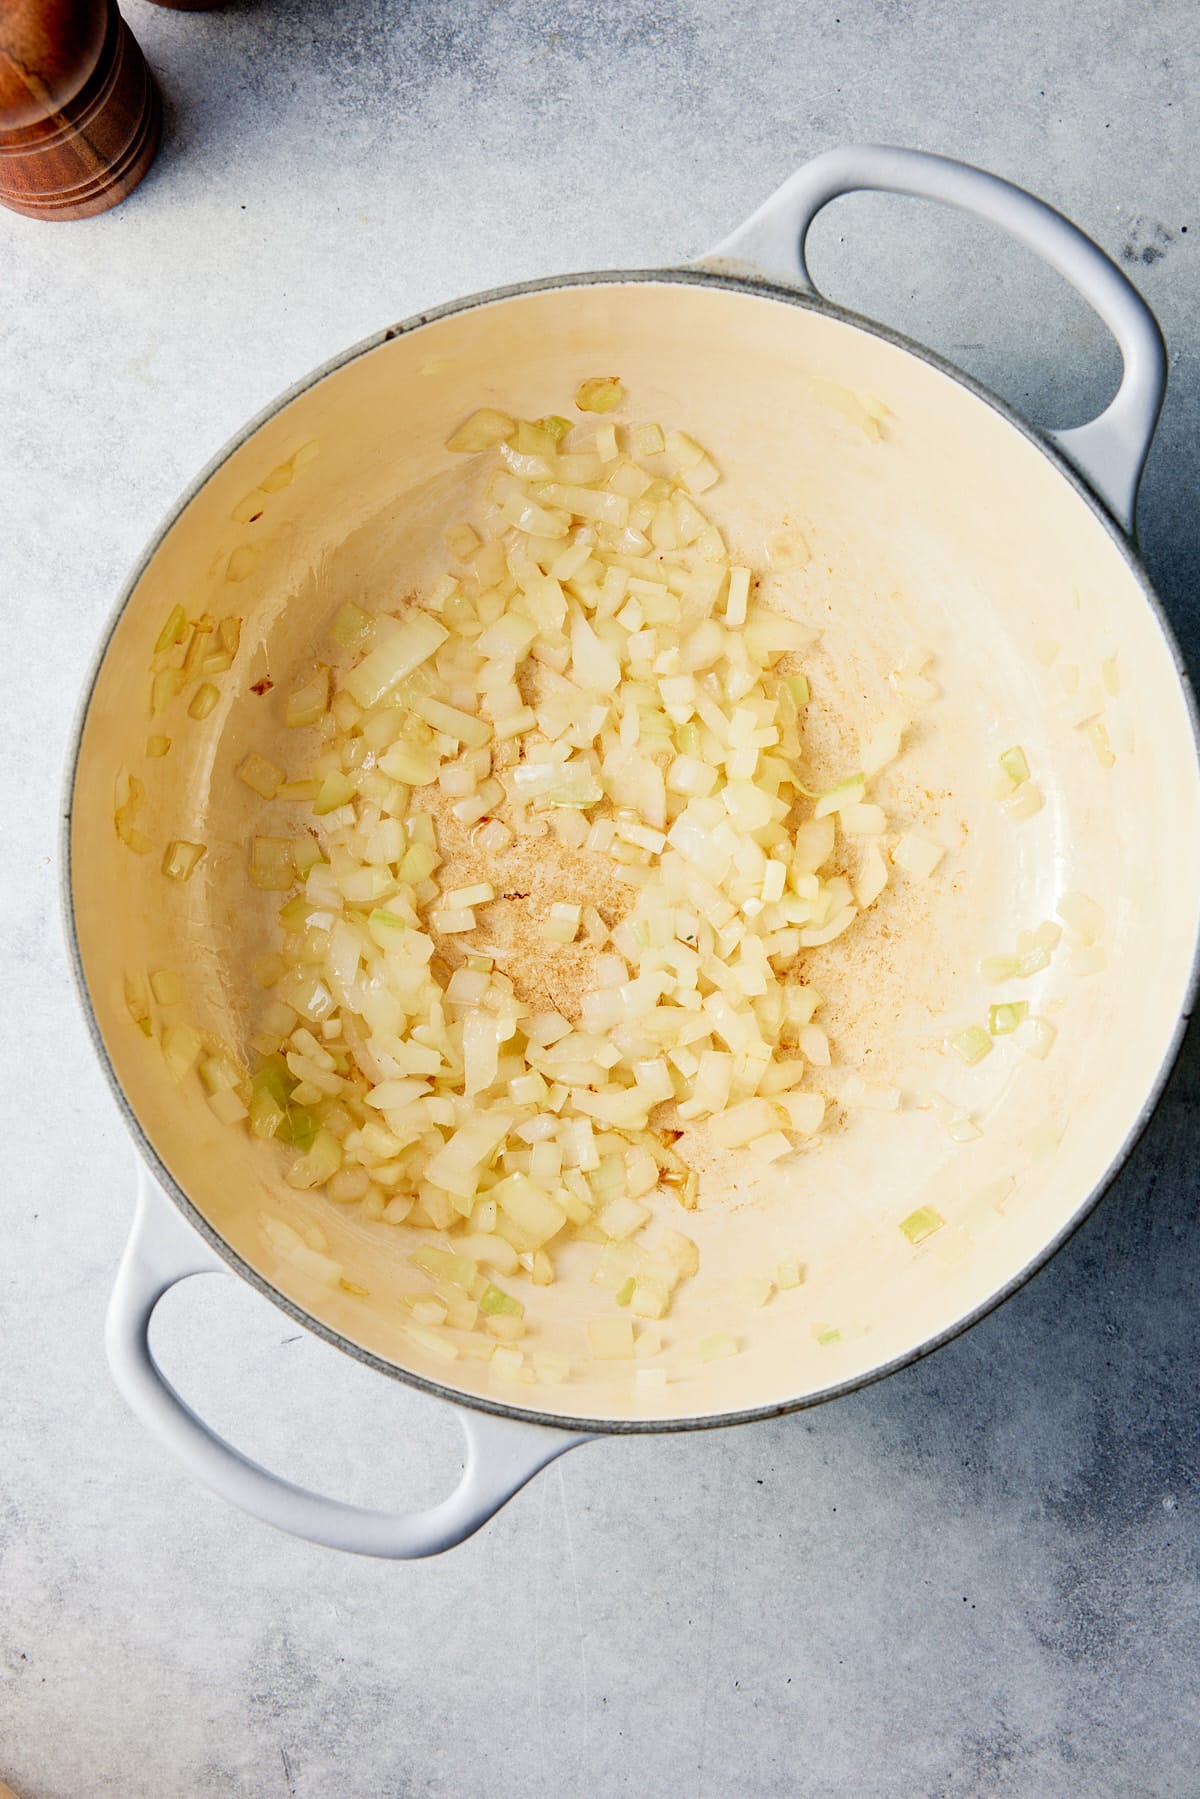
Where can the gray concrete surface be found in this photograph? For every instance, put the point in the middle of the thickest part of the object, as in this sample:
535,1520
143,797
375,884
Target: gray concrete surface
978,1579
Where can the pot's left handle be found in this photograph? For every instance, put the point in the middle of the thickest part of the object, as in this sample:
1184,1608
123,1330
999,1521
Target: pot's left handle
502,1453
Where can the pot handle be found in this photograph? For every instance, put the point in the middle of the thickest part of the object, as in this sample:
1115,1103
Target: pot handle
1110,451
502,1453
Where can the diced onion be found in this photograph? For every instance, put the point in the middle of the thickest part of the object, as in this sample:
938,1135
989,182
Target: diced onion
862,820
180,859
1015,765
598,673
1083,918
1025,801
412,641
917,856
261,776
308,703
166,987
482,431
921,1224
203,700
971,1045
600,393
610,1339
126,813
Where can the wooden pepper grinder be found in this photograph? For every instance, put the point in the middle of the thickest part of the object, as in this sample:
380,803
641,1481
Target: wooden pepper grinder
80,115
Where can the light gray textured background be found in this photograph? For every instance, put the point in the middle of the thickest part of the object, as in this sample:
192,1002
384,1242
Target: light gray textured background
977,1579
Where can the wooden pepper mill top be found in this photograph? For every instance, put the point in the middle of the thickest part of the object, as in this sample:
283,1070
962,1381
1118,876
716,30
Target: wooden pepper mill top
80,115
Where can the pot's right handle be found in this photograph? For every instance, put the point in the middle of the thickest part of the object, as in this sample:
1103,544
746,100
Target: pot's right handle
502,1453
1110,451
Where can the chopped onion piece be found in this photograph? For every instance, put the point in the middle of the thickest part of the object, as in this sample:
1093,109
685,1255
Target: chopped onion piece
786,548
123,819
737,596
1083,918
242,562
847,793
1025,801
351,625
180,859
883,745
622,1217
1014,764
404,648
999,968
261,776
804,1111
742,1123
451,921
650,1379
135,1001
753,1290
322,1160
841,921
452,721
271,865
610,1339
647,439
166,987
921,1224
1045,1139
863,820
478,894
482,431
308,703
872,877
203,700
167,684
600,393
971,1045
433,1341
174,631
917,856
562,926
1101,744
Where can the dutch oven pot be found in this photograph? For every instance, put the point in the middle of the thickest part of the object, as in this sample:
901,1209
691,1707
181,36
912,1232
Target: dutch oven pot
962,530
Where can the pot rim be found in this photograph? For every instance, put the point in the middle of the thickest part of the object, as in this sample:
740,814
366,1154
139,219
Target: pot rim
708,273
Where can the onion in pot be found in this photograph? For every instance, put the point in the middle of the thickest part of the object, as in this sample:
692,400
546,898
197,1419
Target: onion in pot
597,704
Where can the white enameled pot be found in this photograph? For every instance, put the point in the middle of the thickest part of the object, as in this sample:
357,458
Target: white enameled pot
961,529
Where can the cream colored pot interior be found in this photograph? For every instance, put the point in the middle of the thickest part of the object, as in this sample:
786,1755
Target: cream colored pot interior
954,533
